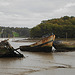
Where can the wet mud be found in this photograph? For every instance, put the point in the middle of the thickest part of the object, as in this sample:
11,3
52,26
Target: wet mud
56,63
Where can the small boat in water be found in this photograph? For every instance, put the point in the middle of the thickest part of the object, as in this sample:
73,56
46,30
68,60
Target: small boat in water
6,50
44,45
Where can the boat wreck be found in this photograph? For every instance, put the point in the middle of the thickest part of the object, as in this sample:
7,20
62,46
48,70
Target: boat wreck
6,50
64,46
44,45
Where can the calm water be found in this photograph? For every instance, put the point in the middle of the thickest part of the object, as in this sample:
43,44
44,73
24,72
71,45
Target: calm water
39,63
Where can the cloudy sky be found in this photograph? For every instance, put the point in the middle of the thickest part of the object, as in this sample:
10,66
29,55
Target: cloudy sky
29,13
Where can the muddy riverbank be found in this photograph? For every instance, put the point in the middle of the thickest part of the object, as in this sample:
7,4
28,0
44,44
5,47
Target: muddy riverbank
57,63
39,64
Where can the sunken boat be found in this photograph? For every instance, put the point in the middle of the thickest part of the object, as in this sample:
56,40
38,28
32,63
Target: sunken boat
63,46
44,45
6,50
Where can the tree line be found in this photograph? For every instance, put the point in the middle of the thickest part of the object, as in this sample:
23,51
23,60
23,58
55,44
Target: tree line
59,26
14,32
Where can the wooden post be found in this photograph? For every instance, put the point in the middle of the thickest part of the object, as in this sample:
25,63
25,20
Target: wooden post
66,36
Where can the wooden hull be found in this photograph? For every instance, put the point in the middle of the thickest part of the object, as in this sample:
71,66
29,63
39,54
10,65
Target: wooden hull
36,49
63,46
11,54
6,50
44,45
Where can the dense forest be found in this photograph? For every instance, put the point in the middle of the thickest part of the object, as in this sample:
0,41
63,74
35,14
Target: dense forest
14,32
59,26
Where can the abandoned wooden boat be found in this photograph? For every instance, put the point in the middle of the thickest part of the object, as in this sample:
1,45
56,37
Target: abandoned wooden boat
44,45
64,46
6,50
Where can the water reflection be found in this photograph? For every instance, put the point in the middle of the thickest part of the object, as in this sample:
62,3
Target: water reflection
43,55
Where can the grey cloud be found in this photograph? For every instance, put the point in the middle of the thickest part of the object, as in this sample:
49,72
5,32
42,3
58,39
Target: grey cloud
29,13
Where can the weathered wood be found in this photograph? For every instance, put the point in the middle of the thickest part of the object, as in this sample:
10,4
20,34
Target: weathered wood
6,50
63,46
44,45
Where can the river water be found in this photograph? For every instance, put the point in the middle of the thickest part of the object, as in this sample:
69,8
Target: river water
38,63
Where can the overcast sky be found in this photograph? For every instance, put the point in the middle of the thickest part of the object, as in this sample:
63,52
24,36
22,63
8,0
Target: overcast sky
29,13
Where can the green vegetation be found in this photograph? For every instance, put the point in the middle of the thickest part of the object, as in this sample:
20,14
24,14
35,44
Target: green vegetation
14,32
59,26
